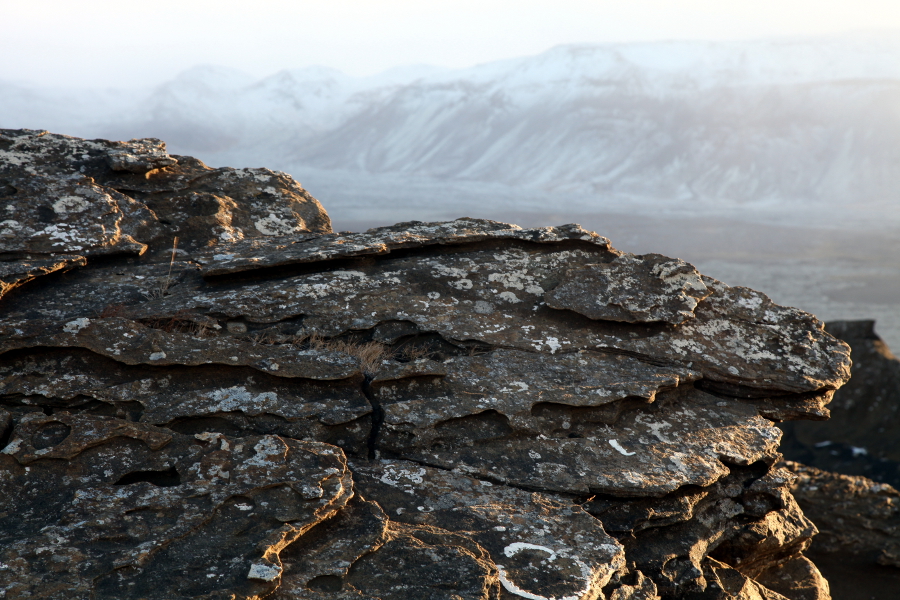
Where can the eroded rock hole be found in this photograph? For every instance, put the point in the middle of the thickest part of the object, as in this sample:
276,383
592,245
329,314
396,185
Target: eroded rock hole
7,190
582,421
45,214
195,425
6,429
167,478
50,434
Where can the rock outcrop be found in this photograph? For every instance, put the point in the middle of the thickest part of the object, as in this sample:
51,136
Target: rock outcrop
858,546
861,437
428,410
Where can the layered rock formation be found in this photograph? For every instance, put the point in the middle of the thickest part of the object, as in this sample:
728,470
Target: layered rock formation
429,410
861,438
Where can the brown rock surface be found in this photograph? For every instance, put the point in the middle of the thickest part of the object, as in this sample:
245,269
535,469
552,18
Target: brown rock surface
428,410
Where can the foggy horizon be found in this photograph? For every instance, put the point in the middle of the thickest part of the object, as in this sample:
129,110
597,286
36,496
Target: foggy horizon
101,43
857,35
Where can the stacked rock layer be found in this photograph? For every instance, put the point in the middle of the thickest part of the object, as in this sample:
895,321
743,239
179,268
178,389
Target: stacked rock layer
206,393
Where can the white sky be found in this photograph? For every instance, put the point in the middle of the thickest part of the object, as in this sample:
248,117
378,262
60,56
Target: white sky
142,42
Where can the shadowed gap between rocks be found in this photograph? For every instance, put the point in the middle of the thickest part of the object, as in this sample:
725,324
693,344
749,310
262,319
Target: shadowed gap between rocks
162,478
377,417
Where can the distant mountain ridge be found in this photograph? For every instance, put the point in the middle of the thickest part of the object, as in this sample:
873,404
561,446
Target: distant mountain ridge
804,123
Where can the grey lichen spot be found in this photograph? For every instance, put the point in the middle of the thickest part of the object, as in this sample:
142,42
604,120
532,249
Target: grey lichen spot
483,308
264,572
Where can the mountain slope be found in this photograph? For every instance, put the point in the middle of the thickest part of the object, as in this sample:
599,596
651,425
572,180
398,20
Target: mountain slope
805,124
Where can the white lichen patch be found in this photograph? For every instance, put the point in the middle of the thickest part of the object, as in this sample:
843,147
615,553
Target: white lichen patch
615,444
70,204
404,478
483,308
274,225
264,572
76,325
10,228
550,342
269,450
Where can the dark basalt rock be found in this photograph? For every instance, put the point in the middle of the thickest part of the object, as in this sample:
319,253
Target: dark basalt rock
428,410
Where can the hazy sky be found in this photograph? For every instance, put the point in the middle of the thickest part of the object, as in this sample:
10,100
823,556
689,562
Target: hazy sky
132,42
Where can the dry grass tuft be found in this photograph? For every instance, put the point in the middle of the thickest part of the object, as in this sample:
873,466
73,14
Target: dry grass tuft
412,353
478,350
163,288
369,354
263,338
181,322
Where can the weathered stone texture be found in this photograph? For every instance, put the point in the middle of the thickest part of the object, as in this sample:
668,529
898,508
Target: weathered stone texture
428,410
61,195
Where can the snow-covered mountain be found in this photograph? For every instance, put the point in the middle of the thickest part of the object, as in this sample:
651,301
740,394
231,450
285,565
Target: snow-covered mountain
807,126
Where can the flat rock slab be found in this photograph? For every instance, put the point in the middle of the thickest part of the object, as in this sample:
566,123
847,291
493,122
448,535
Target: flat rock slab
494,293
634,289
133,343
737,338
262,254
14,273
237,401
641,452
542,546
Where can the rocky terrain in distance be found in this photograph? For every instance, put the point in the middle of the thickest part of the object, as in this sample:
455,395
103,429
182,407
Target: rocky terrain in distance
858,545
858,548
861,437
207,393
